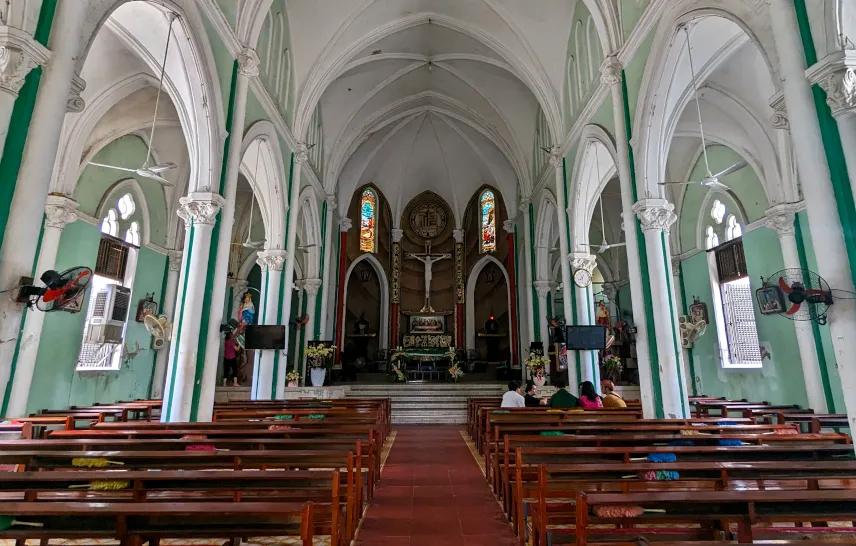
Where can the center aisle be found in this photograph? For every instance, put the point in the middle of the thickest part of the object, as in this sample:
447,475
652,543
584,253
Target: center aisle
433,493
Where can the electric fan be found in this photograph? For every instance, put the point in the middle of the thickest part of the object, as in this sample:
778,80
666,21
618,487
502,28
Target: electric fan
690,332
797,294
61,292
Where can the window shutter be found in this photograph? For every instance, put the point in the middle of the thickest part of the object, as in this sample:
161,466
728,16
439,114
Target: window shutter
112,259
730,261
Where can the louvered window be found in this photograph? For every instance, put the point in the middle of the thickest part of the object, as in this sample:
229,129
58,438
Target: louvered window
738,314
112,259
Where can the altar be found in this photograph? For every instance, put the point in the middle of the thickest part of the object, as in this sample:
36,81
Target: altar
426,347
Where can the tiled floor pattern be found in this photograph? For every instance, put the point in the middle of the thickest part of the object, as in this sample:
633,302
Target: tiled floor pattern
432,493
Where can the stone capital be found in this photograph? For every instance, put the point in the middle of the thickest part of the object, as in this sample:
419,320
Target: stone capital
524,204
508,226
542,288
200,208
60,211
397,235
75,103
248,63
556,157
331,201
458,235
301,153
345,224
582,260
655,214
610,71
175,257
312,286
836,74
780,219
19,53
271,260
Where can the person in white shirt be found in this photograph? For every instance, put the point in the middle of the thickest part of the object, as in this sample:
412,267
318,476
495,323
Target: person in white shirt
513,398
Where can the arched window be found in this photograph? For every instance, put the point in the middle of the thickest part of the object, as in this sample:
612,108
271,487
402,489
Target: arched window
132,234
711,239
487,208
126,206
717,211
110,223
571,86
368,225
732,228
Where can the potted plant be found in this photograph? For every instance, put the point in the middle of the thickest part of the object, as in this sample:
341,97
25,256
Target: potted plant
395,365
293,377
455,371
611,368
537,363
316,357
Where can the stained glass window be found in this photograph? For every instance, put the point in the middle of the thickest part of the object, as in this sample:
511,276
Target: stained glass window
368,227
487,206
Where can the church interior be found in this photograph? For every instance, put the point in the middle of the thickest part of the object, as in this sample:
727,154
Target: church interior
458,272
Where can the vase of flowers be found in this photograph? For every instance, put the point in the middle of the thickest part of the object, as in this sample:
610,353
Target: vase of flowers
611,368
395,365
455,371
316,358
292,377
537,363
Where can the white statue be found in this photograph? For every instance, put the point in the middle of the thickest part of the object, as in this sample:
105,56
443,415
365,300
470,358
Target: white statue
428,259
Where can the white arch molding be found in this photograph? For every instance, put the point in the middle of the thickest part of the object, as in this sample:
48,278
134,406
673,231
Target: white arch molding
547,226
383,330
269,187
470,297
132,186
584,193
308,233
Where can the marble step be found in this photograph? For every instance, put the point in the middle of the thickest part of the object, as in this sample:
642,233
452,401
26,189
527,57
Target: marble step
429,416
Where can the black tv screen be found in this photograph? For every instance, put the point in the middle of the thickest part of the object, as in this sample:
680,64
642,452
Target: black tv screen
264,337
585,338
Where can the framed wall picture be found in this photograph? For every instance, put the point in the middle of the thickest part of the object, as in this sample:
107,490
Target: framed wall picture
147,306
698,311
427,324
771,300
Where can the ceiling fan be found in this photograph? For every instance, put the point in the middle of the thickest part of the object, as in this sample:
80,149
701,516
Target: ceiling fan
603,246
152,172
710,180
305,248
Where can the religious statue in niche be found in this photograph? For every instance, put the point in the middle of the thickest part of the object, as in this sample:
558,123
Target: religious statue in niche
428,259
602,314
361,327
246,316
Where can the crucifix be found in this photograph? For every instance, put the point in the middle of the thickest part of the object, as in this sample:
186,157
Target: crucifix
428,259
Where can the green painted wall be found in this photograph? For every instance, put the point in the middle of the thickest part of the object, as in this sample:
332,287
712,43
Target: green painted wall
631,12
223,60
55,383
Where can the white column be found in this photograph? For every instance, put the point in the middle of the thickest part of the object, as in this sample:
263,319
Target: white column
824,222
271,263
327,272
248,67
59,212
301,155
199,212
656,217
780,219
526,253
18,251
611,76
589,363
837,77
543,288
168,310
21,54
679,306
311,287
561,212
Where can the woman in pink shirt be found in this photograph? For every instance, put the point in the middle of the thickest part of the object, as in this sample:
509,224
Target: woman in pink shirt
230,361
588,396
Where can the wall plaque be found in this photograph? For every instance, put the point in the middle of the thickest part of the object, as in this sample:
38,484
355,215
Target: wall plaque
428,220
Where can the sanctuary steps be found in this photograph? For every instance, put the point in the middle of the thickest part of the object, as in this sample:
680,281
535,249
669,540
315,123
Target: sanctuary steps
434,403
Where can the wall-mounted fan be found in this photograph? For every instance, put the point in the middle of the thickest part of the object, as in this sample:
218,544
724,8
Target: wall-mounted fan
300,322
160,328
61,291
797,294
152,171
710,180
690,332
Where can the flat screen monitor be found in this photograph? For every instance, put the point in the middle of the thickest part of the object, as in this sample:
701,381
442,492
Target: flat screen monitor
264,338
585,338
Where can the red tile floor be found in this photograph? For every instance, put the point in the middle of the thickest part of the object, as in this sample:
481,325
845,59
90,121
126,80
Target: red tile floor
432,493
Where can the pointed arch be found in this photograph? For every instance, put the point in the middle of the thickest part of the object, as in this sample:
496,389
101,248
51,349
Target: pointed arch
383,332
470,296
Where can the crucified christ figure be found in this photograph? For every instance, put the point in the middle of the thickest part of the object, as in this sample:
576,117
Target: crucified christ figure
428,259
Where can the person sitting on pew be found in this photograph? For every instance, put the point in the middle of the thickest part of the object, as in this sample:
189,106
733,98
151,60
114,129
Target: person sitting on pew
588,396
611,399
513,398
563,399
531,398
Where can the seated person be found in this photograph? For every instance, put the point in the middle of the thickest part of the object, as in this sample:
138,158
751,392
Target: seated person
589,398
611,399
563,399
531,398
513,398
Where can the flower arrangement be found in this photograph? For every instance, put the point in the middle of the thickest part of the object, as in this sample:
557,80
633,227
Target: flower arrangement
455,371
317,354
293,375
611,367
537,362
395,367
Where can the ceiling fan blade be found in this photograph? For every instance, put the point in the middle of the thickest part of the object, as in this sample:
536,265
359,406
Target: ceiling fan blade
784,286
732,169
162,167
716,184
112,167
147,173
677,183
793,310
615,245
